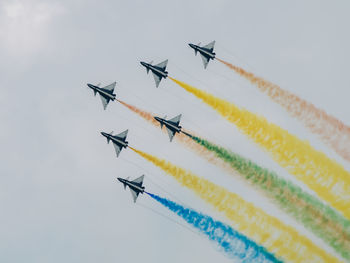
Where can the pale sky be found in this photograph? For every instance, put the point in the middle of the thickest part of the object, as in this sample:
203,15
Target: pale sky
59,197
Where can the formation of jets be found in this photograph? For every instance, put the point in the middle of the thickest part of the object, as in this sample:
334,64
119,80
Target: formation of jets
172,125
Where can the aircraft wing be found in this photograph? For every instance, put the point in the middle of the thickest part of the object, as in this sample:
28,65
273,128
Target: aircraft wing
157,79
122,135
205,60
139,180
105,101
176,120
110,87
210,46
171,133
134,195
117,149
162,65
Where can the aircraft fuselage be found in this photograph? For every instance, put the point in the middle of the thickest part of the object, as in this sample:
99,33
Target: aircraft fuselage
133,186
168,124
121,143
155,70
102,92
203,51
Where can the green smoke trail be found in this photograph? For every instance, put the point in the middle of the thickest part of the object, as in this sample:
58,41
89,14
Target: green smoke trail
321,219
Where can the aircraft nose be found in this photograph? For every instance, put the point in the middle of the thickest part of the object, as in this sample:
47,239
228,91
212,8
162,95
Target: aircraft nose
103,134
191,45
89,85
119,179
143,63
156,118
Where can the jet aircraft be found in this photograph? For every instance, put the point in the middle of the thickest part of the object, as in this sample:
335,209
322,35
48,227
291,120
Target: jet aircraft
135,186
206,52
157,70
106,93
171,125
119,140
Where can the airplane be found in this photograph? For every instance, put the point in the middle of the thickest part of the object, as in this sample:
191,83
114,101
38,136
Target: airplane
106,93
135,186
206,52
119,140
171,125
157,70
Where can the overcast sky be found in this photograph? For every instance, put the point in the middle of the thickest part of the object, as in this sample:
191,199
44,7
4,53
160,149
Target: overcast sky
59,198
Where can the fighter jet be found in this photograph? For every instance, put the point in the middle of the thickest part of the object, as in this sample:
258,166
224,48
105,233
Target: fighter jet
119,140
157,70
206,52
171,125
106,93
135,186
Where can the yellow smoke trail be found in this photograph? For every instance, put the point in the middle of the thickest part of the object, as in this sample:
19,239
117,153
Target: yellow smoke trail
331,130
326,177
277,237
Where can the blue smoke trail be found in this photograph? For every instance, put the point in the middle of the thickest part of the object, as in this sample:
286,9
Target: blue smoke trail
234,244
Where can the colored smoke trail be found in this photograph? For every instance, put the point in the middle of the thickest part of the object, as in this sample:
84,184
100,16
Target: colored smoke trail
253,222
234,244
325,176
321,219
332,131
144,114
149,117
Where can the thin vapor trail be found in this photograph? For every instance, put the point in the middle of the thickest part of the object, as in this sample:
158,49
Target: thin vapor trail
332,131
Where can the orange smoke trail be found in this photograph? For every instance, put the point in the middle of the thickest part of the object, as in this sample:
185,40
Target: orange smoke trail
332,131
144,114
